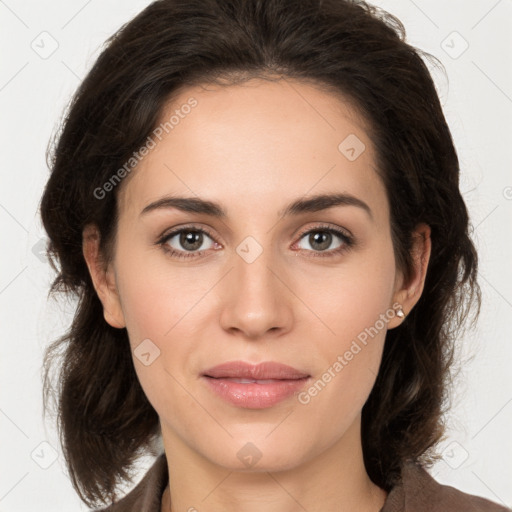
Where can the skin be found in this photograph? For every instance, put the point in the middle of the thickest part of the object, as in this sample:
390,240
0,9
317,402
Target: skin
254,148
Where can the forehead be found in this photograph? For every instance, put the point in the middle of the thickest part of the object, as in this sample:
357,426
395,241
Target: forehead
264,140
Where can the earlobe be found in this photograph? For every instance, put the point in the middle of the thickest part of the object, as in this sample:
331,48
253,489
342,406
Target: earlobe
104,280
410,291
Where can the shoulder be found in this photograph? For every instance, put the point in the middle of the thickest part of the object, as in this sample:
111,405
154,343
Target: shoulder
147,494
419,492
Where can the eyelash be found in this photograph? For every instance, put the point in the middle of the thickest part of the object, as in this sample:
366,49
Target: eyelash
348,241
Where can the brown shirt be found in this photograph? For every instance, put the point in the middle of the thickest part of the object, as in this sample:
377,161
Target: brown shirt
418,492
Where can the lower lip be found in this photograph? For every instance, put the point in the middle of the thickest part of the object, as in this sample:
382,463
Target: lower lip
255,395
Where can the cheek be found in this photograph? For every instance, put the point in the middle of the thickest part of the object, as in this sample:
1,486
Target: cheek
155,318
350,298
351,360
353,307
156,297
163,308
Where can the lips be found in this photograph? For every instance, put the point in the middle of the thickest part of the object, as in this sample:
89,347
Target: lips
254,386
268,370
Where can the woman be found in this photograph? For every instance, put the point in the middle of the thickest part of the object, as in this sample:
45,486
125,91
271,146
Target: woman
257,205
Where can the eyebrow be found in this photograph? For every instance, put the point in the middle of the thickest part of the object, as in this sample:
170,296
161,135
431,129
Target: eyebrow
310,204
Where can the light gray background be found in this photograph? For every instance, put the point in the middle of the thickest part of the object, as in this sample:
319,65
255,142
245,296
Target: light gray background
35,86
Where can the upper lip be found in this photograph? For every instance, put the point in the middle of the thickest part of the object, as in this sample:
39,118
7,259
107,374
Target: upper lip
261,371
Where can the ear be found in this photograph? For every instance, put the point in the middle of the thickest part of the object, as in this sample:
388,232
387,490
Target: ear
407,293
104,280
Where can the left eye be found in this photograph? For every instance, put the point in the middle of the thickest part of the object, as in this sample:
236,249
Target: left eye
320,240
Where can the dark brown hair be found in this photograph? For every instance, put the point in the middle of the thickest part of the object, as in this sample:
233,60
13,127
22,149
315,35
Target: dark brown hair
105,420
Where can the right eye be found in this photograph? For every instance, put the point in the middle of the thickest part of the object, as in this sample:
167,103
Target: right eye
189,240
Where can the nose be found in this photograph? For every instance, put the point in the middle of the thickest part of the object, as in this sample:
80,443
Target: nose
256,302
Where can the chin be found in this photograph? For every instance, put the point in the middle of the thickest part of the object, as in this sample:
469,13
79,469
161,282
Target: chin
258,453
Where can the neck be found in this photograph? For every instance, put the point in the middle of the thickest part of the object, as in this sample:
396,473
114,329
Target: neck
334,480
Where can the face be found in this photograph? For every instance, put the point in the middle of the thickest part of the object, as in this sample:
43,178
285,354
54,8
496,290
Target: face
311,287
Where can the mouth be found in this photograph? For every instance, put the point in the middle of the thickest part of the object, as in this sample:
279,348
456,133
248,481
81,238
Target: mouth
268,370
254,386
249,381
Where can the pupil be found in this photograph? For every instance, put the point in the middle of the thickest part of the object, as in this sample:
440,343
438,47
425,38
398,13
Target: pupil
322,238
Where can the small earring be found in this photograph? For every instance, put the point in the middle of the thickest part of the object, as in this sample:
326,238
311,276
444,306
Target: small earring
400,313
